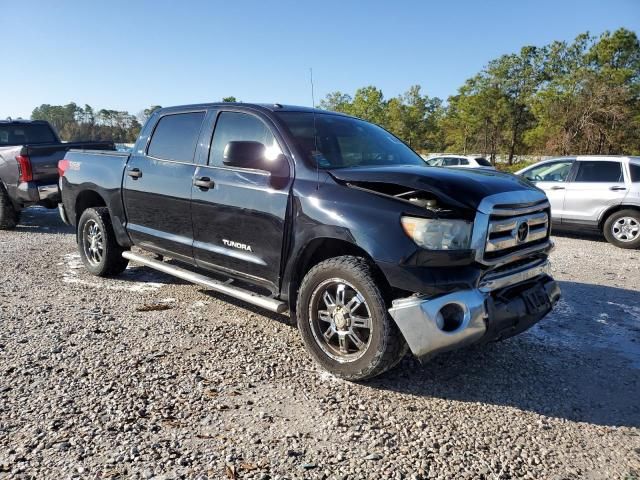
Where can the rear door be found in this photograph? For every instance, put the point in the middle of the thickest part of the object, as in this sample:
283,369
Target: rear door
595,186
157,186
239,219
552,178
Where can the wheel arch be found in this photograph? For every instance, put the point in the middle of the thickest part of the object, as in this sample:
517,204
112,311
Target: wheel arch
611,210
87,199
323,248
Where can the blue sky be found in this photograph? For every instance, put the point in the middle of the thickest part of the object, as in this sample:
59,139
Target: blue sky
128,55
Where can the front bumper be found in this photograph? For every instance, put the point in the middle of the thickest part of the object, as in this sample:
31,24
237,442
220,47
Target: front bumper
490,312
30,192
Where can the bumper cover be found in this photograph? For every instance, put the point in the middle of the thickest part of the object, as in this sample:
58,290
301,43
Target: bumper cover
484,315
31,192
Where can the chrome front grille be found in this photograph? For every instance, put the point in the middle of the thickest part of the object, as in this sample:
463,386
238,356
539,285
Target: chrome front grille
511,227
510,232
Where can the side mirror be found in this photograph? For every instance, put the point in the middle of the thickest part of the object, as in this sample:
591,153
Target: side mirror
255,155
244,155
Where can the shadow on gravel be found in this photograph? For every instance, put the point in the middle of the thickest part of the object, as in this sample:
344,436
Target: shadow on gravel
586,235
285,319
581,363
42,220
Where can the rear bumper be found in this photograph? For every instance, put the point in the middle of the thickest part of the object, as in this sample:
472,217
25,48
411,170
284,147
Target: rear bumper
474,315
63,213
29,193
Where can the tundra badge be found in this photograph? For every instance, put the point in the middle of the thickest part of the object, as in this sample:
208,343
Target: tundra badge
238,245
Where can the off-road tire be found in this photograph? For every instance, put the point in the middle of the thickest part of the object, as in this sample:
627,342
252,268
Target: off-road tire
9,216
612,219
387,345
111,263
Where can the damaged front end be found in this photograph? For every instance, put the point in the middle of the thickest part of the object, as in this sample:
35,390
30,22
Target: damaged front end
502,236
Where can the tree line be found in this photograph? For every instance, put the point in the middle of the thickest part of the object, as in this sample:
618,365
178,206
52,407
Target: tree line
76,123
581,97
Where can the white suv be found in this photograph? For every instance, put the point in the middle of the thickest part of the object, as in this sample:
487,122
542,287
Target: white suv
459,161
593,192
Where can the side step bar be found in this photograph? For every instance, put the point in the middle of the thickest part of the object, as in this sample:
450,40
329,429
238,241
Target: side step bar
268,303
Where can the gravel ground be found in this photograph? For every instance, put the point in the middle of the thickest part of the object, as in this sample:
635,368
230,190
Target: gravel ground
93,387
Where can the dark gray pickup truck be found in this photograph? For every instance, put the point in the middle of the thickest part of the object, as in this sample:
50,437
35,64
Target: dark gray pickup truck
29,155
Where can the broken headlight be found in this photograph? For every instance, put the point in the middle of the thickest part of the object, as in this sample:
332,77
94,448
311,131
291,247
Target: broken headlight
438,234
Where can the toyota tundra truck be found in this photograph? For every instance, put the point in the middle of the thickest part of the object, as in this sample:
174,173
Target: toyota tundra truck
29,155
323,215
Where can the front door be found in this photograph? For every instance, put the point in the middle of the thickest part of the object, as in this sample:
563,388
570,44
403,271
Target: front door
157,187
238,216
552,178
598,185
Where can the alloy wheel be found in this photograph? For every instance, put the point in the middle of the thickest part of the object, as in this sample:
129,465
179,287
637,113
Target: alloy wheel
93,242
626,229
340,320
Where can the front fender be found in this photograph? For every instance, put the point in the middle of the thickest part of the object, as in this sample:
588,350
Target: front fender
371,224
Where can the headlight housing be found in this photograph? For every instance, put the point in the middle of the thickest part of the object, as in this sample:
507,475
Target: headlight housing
438,234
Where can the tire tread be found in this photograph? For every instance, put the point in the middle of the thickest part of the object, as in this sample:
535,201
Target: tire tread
114,262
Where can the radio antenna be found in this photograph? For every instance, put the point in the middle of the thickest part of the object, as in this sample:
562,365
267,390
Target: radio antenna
315,131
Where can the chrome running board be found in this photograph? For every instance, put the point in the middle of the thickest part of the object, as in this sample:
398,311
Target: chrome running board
268,303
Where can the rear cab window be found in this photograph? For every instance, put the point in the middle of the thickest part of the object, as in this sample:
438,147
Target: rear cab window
176,136
599,172
26,134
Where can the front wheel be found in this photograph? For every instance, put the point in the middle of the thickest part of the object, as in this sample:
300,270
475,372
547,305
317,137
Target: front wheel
99,251
622,229
344,322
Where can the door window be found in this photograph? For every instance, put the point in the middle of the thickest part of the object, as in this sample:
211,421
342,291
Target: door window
599,172
549,172
450,162
238,127
176,136
635,172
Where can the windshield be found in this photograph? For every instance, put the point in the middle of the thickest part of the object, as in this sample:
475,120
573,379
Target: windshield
27,133
343,142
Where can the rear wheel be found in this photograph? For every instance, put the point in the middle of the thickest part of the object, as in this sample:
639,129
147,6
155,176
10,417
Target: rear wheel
99,251
622,229
9,216
344,322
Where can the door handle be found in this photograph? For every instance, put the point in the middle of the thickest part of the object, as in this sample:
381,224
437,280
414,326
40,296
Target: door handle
616,188
204,183
556,187
134,173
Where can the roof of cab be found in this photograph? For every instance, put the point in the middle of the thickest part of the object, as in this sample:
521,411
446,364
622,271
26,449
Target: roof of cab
22,120
271,107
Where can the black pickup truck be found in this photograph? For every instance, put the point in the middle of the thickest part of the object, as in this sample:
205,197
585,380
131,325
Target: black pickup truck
29,155
325,215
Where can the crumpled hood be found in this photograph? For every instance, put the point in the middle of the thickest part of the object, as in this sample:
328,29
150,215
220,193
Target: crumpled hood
455,186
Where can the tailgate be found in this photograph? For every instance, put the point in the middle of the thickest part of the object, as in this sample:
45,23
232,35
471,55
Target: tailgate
44,158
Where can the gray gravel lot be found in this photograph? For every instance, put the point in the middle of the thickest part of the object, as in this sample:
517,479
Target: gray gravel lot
91,387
